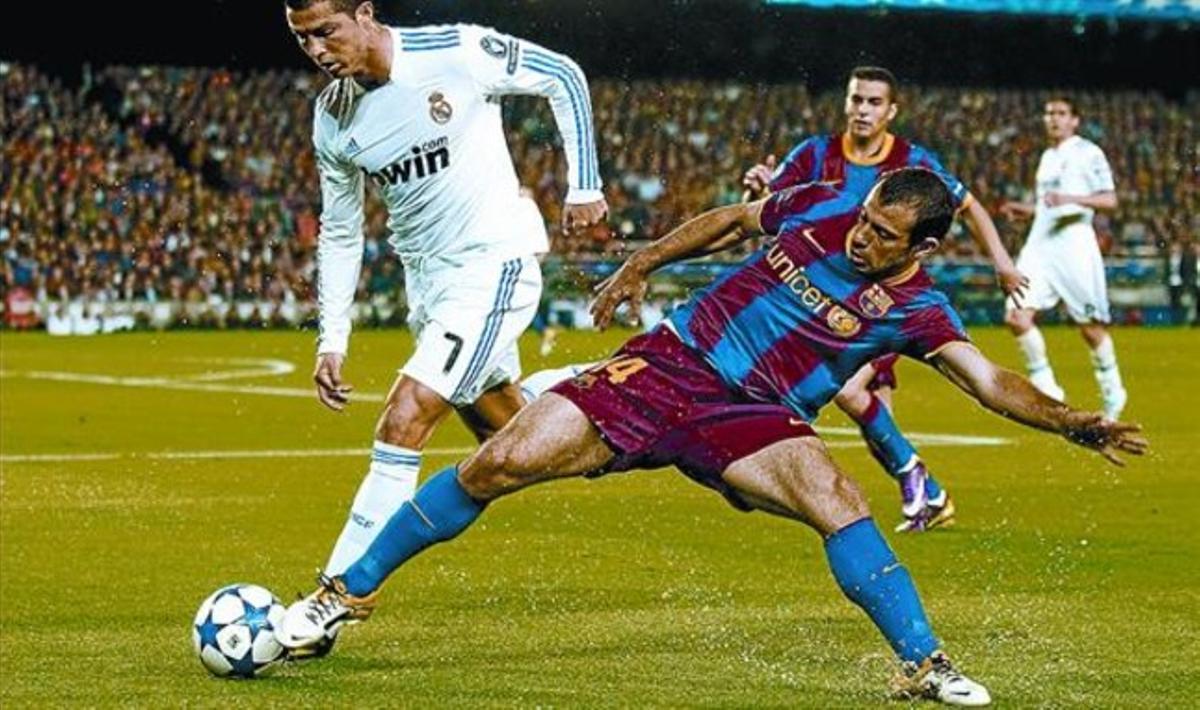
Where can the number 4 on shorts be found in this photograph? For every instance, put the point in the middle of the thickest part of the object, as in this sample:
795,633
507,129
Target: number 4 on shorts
623,368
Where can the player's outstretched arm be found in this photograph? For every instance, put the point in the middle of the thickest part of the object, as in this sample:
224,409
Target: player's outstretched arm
1013,396
711,232
1103,200
983,231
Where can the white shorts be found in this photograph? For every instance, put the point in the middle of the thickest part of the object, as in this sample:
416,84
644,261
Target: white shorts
466,320
1069,269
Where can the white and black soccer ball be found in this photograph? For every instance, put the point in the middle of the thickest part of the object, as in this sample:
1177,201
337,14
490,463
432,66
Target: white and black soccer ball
234,631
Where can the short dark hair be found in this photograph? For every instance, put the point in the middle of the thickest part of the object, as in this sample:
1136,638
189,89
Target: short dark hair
346,6
1064,99
867,73
927,195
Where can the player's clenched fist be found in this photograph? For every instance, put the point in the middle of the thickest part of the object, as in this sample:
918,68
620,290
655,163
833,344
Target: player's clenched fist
758,178
582,216
332,392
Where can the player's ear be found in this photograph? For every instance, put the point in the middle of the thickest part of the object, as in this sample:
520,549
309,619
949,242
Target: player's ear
893,109
365,13
927,246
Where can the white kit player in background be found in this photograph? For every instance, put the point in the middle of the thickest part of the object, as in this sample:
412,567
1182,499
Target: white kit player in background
416,114
1061,256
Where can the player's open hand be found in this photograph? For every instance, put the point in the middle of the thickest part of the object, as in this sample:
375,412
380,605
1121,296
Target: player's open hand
1092,430
332,392
1013,283
579,217
627,284
758,178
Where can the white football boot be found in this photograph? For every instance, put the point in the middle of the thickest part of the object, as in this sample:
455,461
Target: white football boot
936,679
315,620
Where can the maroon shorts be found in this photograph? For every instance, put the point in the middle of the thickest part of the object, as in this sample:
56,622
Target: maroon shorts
885,373
656,402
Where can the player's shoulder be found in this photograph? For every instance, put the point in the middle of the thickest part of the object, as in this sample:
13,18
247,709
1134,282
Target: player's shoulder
1077,145
1088,147
803,197
432,38
335,103
808,146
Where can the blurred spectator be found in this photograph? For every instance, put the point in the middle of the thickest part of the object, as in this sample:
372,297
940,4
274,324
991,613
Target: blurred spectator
166,184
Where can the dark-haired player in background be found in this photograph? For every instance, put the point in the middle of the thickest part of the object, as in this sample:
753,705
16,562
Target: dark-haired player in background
853,160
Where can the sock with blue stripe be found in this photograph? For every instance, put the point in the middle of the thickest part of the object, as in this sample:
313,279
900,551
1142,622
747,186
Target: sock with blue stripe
869,575
389,482
889,447
439,511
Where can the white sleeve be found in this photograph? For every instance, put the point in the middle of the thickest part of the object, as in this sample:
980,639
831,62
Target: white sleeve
501,64
339,247
1097,171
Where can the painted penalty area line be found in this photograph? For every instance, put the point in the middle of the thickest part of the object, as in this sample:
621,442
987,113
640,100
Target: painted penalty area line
202,455
946,440
262,367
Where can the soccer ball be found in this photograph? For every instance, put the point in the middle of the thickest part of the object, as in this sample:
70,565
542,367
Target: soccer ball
234,632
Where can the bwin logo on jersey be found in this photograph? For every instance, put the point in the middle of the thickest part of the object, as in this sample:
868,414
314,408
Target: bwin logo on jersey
425,160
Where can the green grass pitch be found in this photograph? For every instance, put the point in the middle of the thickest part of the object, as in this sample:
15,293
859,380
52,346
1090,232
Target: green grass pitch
1066,583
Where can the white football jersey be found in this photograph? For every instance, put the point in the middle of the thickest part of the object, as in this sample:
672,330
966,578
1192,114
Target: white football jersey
1076,166
432,144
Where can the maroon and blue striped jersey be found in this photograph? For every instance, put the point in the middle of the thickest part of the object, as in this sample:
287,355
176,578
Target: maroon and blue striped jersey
796,320
827,159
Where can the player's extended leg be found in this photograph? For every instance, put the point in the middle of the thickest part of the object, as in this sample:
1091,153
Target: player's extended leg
1033,346
797,478
550,438
1104,364
492,410
924,503
410,415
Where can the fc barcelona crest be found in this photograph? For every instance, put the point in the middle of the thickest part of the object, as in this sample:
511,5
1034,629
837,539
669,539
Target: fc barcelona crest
875,302
440,109
843,323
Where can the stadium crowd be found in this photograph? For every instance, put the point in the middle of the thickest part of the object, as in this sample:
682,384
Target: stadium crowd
198,185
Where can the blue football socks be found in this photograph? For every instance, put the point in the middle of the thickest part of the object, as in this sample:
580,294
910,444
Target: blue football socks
868,573
889,446
439,511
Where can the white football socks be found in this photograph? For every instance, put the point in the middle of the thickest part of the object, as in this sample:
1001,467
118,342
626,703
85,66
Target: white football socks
1108,376
1033,347
389,484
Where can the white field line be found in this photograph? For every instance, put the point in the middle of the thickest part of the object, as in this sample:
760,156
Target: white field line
201,455
287,453
184,384
265,367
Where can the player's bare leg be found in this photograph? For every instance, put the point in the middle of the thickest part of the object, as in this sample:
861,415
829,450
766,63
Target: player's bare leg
492,410
923,502
1022,323
550,438
796,478
1104,364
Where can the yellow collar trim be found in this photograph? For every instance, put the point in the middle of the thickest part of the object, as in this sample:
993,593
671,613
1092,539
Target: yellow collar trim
888,141
903,275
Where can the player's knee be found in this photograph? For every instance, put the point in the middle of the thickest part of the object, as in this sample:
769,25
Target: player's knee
1018,321
407,422
495,469
853,401
841,500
